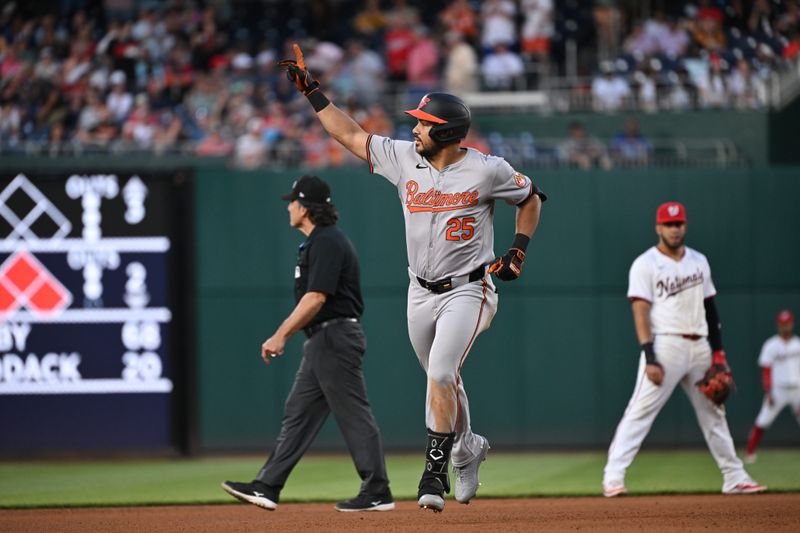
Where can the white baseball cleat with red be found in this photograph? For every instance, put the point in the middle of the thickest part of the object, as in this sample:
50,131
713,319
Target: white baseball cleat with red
614,488
747,487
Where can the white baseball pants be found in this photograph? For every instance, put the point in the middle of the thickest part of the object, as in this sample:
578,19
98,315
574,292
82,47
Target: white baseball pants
781,396
685,361
442,329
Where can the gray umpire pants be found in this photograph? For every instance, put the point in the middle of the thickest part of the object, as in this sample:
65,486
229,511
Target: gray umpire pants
330,379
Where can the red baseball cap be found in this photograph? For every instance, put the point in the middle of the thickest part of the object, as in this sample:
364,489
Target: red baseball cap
670,212
784,317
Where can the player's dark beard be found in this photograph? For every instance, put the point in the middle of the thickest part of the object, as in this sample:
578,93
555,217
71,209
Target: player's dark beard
673,247
430,152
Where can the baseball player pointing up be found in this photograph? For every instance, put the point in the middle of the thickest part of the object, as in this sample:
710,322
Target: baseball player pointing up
448,195
676,321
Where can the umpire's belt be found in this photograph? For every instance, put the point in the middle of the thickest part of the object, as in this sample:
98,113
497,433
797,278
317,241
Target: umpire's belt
448,284
311,330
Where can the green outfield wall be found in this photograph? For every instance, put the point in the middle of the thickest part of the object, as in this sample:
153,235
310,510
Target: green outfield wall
557,366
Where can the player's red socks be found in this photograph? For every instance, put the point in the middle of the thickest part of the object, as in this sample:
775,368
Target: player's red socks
752,440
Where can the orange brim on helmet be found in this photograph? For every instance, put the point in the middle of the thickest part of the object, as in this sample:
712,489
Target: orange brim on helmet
419,114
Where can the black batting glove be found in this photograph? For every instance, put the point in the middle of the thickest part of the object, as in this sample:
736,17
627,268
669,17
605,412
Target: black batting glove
508,267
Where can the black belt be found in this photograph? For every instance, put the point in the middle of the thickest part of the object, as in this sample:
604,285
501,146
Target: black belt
448,284
311,330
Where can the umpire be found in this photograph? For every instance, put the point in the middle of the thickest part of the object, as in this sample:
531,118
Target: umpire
330,379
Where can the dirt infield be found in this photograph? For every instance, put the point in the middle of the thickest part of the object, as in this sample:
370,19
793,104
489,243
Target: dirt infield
763,512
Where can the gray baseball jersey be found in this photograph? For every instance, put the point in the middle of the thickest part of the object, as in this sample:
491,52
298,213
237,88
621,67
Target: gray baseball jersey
449,214
449,232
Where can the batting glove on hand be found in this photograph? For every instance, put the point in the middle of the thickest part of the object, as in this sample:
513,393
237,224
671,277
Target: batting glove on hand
297,72
508,267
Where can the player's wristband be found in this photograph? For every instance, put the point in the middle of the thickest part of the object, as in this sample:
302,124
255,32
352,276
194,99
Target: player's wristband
318,100
719,358
649,353
521,241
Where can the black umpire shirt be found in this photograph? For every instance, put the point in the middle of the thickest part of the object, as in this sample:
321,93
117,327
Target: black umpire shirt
327,263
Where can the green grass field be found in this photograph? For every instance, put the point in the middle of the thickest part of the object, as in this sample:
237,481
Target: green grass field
330,478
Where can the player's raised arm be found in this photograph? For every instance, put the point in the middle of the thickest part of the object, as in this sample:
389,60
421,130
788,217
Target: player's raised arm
335,121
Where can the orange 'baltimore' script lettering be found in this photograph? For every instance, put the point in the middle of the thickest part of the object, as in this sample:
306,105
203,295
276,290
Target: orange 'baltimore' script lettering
435,201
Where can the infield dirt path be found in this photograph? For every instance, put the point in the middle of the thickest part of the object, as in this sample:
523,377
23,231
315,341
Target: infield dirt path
762,512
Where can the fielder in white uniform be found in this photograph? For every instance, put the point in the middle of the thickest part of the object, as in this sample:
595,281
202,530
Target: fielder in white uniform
676,322
448,194
780,376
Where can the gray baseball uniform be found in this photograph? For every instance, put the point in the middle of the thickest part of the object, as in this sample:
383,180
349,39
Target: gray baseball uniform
449,217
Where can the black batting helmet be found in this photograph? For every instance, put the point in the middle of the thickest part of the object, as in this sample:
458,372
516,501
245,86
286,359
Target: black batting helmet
450,116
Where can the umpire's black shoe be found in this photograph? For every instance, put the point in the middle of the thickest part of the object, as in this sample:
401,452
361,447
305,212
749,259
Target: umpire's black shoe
365,502
255,492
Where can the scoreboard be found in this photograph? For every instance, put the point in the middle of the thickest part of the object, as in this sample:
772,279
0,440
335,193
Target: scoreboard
92,344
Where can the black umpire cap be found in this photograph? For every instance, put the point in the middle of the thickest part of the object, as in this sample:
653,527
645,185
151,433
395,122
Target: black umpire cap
309,190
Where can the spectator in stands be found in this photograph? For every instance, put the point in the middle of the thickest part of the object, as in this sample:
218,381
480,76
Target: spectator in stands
746,89
629,147
678,97
460,18
250,150
423,61
403,13
47,68
461,65
498,24
142,125
397,43
608,24
639,43
502,70
713,89
370,22
214,144
538,28
646,91
708,29
609,90
674,42
582,150
367,70
119,101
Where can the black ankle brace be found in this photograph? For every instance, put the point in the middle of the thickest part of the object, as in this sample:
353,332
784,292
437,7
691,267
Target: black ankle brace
437,457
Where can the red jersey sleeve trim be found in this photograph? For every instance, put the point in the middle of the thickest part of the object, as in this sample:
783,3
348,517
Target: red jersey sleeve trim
634,298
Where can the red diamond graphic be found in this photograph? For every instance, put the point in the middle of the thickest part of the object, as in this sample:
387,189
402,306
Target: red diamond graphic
7,300
24,281
47,298
22,272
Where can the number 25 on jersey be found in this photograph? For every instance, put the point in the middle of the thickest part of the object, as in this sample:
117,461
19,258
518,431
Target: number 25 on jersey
460,229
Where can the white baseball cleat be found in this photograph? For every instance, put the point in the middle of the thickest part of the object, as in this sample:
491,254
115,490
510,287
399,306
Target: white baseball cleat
433,502
748,487
750,458
467,480
614,488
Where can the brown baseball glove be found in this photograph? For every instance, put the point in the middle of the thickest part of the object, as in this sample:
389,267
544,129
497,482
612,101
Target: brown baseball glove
717,384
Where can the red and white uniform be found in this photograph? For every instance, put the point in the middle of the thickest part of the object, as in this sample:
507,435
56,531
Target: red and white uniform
676,291
782,357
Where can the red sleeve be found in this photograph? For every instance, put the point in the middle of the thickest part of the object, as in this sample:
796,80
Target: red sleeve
766,378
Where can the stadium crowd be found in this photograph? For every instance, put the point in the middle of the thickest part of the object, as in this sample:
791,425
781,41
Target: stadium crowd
129,75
